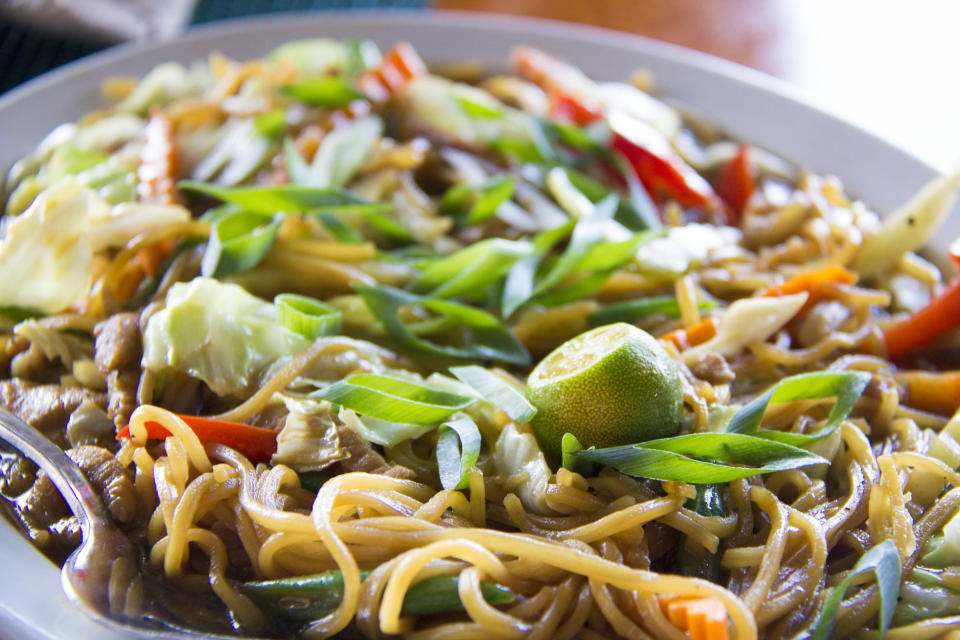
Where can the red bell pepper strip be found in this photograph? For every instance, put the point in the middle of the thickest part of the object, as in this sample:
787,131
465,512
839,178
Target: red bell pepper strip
565,107
926,325
256,443
736,182
660,168
399,66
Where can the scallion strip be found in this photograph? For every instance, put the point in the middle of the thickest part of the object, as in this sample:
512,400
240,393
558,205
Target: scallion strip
497,392
458,448
393,399
238,242
287,198
307,316
471,270
633,310
489,339
324,91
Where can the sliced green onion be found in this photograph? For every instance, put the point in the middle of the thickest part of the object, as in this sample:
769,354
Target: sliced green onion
479,111
471,270
519,285
340,229
458,448
325,91
497,392
297,167
845,386
288,198
698,458
342,153
384,432
362,54
633,310
635,214
884,561
393,399
472,204
238,242
272,123
489,338
307,316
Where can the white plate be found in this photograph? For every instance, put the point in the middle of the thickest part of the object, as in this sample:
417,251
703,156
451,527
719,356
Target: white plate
746,103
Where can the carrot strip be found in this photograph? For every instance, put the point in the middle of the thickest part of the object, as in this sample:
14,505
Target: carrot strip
932,391
399,66
256,443
158,161
152,258
813,283
692,336
701,618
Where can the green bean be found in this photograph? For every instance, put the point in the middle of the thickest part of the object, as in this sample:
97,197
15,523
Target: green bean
311,597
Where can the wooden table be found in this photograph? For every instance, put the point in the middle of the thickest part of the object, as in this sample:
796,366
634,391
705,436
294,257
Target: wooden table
888,65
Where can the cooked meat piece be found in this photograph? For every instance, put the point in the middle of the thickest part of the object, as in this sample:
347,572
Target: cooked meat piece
273,416
31,364
122,395
17,473
109,479
46,407
363,458
119,343
713,368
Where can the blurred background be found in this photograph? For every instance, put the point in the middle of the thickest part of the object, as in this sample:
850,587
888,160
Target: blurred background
888,65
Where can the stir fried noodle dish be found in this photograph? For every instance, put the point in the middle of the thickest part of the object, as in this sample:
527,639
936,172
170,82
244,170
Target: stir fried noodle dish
350,347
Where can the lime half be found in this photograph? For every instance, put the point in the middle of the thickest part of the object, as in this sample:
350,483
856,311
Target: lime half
610,386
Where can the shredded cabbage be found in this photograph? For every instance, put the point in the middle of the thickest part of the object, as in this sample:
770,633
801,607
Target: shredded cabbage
216,332
517,456
683,248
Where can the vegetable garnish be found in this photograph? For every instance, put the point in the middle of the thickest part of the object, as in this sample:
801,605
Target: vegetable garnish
287,198
315,596
400,65
458,448
472,204
471,270
884,561
307,316
692,336
737,182
633,310
932,391
256,443
845,386
325,91
813,283
496,391
926,325
489,338
701,618
239,241
393,399
697,458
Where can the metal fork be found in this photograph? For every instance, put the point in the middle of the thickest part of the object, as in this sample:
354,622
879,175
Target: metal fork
104,551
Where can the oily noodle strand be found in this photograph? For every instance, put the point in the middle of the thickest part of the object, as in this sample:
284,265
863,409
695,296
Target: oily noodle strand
405,530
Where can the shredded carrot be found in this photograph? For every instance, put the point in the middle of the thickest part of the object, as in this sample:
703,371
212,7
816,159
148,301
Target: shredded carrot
158,162
256,443
932,391
736,182
701,618
813,283
399,66
926,325
692,336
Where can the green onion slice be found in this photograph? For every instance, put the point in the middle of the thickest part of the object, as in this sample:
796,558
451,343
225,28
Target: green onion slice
325,91
633,310
458,448
884,561
287,198
697,458
845,386
496,391
307,316
472,204
489,339
393,399
471,270
237,242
